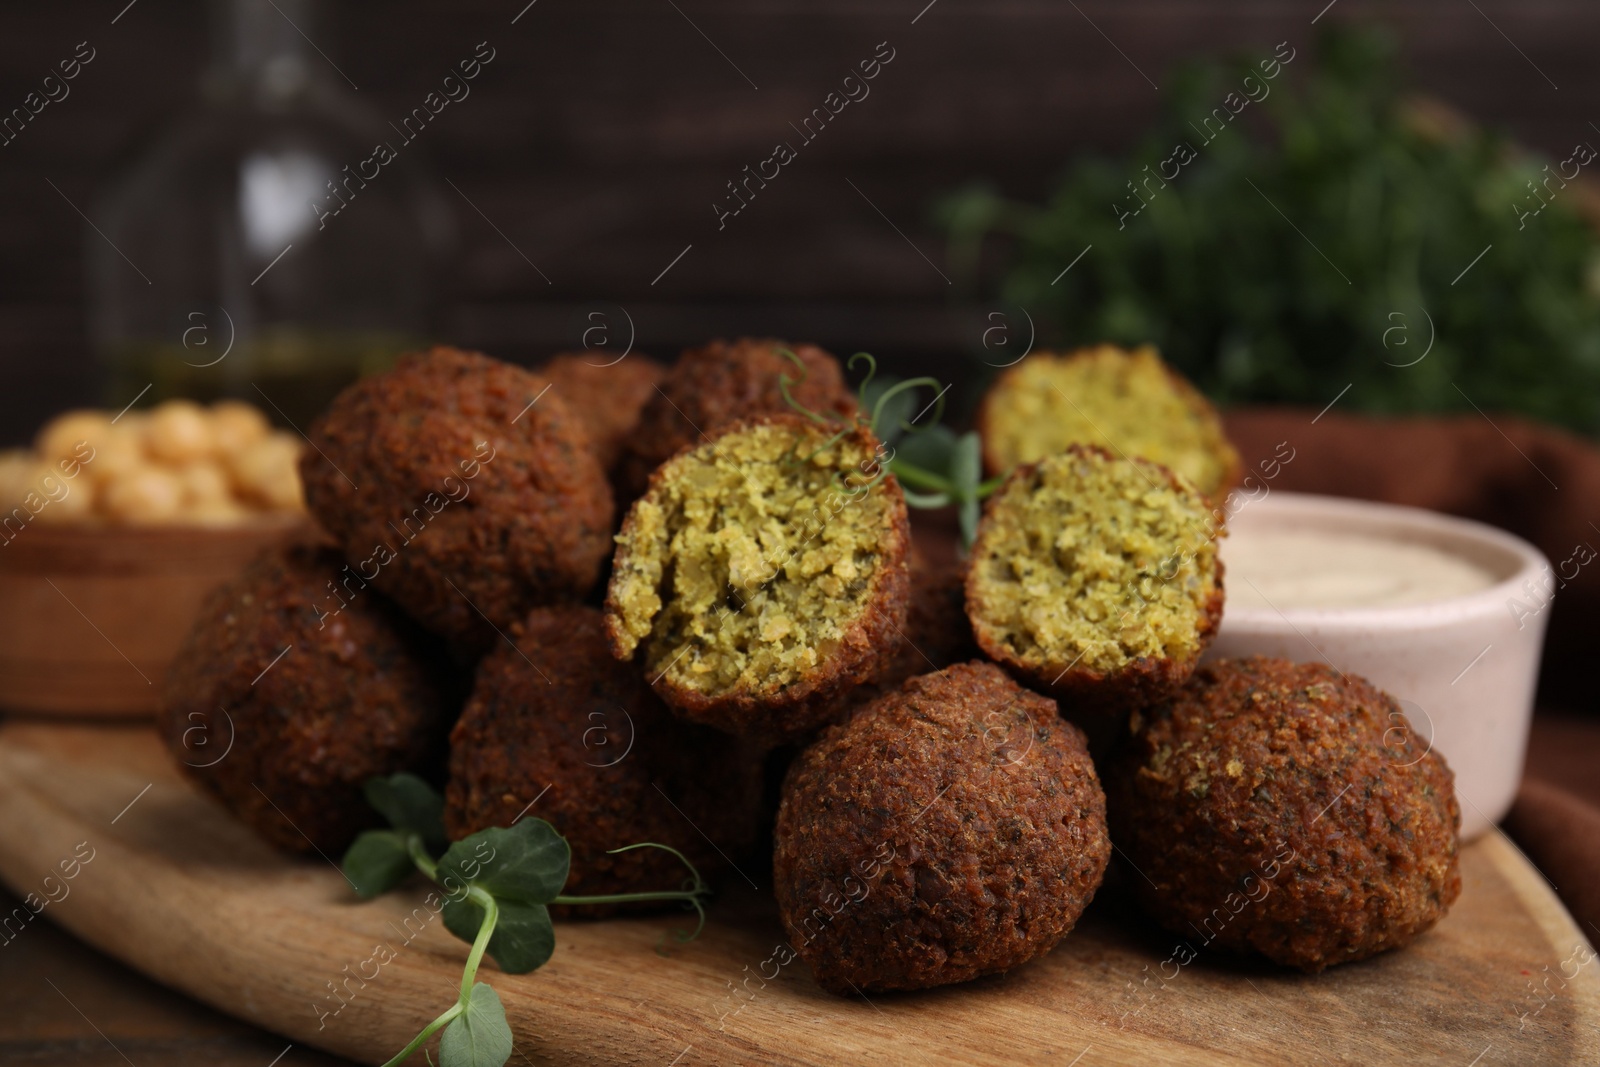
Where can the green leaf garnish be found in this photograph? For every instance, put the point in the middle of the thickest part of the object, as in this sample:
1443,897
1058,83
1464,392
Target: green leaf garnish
497,884
904,388
693,894
784,382
411,805
523,939
966,470
480,1035
896,407
526,863
966,463
377,862
926,500
934,467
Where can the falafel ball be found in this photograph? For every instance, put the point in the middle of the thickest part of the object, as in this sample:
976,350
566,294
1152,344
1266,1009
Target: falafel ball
1096,579
763,576
726,382
470,493
1132,402
950,829
555,730
937,632
1305,782
296,685
608,396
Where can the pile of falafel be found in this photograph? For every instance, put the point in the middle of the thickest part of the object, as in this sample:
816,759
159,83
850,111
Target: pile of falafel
613,596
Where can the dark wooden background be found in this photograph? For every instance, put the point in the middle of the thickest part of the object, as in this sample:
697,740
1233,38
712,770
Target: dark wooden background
602,133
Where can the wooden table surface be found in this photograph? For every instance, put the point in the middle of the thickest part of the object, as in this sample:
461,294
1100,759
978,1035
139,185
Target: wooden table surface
65,1003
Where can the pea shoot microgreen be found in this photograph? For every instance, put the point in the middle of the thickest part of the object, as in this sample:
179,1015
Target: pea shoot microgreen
936,468
498,886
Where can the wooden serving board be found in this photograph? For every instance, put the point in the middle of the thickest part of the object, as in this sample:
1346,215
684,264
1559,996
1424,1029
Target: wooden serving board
180,891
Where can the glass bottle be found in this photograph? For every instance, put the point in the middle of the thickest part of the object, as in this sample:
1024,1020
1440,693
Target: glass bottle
227,273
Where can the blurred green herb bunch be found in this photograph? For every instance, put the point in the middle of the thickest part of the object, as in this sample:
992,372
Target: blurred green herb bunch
1325,237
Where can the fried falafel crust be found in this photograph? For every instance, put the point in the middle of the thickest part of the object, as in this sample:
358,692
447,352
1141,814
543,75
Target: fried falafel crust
555,730
609,397
473,493
750,660
947,830
937,632
1099,681
282,704
725,382
1289,810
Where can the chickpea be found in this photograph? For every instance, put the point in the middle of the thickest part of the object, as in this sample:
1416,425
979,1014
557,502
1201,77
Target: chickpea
116,456
43,490
61,436
235,425
71,500
134,422
178,432
204,482
268,472
143,495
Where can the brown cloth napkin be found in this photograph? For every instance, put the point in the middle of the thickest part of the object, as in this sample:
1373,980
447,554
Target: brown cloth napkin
1541,484
1560,833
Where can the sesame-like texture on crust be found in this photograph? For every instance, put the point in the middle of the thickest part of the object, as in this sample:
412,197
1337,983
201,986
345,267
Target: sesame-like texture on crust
1288,810
608,396
286,697
556,730
461,492
947,830
726,382
1130,401
764,576
1097,579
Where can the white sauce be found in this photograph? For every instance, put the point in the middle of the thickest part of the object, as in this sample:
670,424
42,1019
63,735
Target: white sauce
1283,569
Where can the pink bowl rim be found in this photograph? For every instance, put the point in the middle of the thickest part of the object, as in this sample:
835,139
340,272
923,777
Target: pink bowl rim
1381,520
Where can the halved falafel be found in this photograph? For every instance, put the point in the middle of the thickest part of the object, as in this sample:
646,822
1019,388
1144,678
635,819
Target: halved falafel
763,575
1286,809
949,829
1132,403
553,730
1096,579
468,491
296,685
726,382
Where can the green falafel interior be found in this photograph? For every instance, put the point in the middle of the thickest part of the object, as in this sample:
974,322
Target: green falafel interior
752,555
1096,561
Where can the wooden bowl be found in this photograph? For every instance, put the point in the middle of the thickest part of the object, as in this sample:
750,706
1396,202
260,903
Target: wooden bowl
90,616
